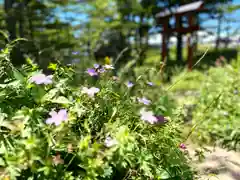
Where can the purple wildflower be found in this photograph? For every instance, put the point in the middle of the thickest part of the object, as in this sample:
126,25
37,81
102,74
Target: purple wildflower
90,91
75,52
144,100
109,142
182,146
96,66
101,70
161,119
148,116
129,84
92,72
236,175
41,79
57,118
150,83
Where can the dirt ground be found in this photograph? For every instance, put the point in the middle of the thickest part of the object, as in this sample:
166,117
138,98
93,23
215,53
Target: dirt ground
218,164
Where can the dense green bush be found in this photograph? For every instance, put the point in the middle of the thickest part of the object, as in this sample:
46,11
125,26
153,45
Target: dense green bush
215,104
93,127
190,82
213,55
218,108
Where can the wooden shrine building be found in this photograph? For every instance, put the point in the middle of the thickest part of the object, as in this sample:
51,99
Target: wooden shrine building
190,13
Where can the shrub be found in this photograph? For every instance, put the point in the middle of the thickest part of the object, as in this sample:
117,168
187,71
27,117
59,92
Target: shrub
55,128
191,81
212,55
216,115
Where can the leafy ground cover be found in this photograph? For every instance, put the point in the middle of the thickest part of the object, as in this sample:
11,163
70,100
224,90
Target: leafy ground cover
87,123
214,98
209,103
96,126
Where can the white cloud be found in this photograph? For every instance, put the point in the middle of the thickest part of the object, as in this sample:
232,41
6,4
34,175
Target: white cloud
204,37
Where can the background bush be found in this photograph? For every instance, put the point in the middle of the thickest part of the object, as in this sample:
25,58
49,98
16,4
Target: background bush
215,105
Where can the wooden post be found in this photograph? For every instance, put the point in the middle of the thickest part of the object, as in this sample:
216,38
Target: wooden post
190,44
190,51
179,38
164,39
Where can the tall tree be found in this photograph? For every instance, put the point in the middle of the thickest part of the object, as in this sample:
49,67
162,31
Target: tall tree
10,18
221,16
37,21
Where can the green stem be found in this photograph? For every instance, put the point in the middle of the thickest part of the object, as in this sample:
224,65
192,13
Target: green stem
204,112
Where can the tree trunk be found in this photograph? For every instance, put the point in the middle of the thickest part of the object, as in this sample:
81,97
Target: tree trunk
29,14
21,19
141,35
31,28
16,55
10,19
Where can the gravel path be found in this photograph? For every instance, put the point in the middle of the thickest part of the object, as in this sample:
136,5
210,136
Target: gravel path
218,164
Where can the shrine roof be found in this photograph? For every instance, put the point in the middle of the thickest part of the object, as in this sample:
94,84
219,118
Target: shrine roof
191,7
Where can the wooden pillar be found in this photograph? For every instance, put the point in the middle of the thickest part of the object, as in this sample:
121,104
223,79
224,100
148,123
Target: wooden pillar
190,43
179,38
190,51
164,48
164,40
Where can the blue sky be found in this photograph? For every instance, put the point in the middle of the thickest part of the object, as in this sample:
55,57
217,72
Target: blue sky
236,15
212,23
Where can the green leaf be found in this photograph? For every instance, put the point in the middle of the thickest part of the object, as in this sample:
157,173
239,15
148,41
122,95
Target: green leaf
30,62
2,117
18,116
2,163
3,94
4,34
84,142
2,149
13,171
18,76
3,86
61,100
50,95
38,93
107,172
114,112
15,84
52,66
163,174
